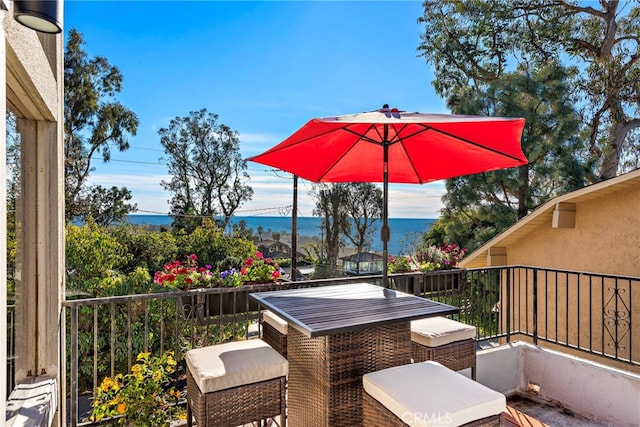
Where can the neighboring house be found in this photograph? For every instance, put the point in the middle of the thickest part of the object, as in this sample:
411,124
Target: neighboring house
363,263
275,249
594,229
589,240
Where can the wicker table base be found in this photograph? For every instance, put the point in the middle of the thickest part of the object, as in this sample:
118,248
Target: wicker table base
325,373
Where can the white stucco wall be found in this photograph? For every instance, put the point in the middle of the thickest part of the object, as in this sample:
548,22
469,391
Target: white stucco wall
585,387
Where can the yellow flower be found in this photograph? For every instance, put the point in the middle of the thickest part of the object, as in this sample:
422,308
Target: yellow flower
143,356
122,408
170,360
138,371
107,383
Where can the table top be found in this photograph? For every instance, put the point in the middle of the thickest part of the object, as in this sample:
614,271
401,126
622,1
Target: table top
328,310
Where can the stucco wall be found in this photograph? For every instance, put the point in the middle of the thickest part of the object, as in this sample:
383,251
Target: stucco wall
606,238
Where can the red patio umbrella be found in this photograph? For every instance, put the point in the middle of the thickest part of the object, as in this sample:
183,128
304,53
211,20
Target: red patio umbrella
389,145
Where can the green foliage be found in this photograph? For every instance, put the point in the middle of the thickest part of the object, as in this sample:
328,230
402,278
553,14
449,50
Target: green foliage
315,255
147,249
283,262
212,246
363,204
94,259
399,264
473,45
329,205
482,205
107,206
94,123
141,397
208,174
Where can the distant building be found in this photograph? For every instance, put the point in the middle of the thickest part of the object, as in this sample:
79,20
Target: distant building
364,263
275,249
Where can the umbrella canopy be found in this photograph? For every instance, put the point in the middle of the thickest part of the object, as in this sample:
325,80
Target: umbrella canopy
389,145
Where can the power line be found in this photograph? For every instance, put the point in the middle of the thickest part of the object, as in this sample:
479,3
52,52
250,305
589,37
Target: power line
131,161
276,208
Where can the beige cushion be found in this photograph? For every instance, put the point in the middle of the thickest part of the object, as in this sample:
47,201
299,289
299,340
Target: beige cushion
428,394
278,323
232,364
437,331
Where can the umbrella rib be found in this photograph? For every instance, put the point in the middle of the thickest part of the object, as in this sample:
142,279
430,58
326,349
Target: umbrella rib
363,136
344,153
302,141
475,144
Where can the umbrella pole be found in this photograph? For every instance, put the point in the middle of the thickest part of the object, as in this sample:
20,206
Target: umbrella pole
385,233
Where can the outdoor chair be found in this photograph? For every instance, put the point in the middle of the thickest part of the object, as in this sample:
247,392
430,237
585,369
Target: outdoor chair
446,341
428,394
235,383
275,331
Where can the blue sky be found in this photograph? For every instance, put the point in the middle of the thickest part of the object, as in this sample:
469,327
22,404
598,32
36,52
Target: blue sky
265,68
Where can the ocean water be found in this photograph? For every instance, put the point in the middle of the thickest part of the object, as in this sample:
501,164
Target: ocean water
404,231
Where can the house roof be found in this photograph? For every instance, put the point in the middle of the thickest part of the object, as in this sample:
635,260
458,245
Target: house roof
362,257
544,214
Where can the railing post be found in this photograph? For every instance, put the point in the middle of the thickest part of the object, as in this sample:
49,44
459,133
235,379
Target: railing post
508,297
535,306
73,366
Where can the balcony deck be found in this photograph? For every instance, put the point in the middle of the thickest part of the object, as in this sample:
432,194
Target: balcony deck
574,313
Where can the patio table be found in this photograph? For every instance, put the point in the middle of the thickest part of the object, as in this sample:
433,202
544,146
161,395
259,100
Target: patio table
337,334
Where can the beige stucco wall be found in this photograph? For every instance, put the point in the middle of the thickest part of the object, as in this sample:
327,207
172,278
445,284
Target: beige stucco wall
606,238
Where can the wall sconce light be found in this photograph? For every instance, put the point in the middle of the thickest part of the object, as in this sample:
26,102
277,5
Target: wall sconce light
44,16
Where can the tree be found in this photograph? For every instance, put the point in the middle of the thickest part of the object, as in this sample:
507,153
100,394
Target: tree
208,174
485,204
13,193
474,43
364,205
107,206
329,204
94,122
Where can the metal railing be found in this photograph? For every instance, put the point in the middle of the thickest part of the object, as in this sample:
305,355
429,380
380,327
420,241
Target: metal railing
586,312
589,312
11,347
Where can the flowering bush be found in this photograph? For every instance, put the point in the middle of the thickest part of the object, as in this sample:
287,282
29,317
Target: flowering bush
440,258
184,275
399,264
260,269
140,398
231,278
187,275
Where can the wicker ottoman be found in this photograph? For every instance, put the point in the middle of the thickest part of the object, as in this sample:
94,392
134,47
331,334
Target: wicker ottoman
446,341
235,383
275,331
428,394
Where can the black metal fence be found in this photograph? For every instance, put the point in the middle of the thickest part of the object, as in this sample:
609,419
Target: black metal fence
591,313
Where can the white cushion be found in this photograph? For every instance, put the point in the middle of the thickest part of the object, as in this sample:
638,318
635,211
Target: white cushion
278,323
437,331
428,394
232,364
